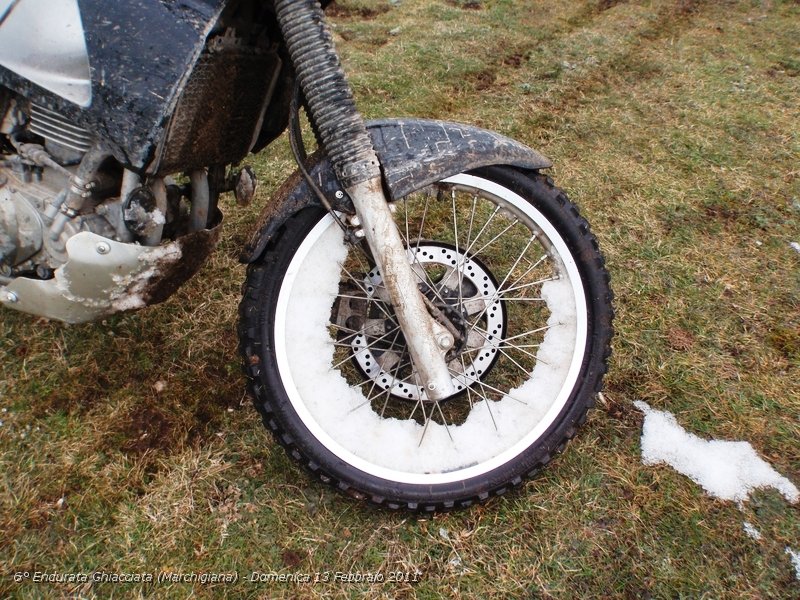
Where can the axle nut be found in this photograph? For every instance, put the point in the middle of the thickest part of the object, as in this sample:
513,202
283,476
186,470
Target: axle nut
444,341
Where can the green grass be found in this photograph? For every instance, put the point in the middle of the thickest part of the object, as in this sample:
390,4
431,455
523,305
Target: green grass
674,125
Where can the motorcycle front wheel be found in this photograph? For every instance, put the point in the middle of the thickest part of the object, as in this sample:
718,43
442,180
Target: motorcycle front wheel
508,266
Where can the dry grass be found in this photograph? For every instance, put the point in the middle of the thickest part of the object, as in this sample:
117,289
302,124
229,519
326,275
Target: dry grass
128,445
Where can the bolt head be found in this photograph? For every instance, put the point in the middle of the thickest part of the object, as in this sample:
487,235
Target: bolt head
102,248
11,297
431,386
444,340
339,194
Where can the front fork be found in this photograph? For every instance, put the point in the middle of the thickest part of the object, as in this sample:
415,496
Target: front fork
346,141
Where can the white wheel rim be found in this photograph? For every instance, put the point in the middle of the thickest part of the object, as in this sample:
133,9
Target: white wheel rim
387,448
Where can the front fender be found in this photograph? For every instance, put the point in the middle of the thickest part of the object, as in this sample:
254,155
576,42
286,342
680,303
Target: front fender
414,153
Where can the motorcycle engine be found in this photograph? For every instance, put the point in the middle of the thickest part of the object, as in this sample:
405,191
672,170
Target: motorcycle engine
30,193
81,237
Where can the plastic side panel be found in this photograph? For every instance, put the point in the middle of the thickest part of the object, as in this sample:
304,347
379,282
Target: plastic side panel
43,41
141,53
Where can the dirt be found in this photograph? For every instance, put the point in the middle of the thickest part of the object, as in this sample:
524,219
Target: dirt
149,429
484,80
514,60
680,339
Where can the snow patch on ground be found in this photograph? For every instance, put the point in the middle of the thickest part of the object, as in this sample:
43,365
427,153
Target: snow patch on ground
751,531
726,470
794,556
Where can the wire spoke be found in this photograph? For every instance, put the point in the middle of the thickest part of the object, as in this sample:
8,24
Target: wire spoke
497,237
394,380
427,280
369,328
530,332
531,268
418,403
427,420
444,421
499,346
501,349
345,329
519,366
500,292
414,253
536,299
370,397
367,298
480,233
344,344
367,347
408,235
422,223
494,389
494,296
514,347
363,289
455,236
471,219
469,389
488,402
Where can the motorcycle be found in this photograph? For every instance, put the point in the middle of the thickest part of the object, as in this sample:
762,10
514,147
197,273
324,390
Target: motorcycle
426,318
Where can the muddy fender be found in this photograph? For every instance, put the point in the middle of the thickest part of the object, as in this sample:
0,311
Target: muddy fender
413,153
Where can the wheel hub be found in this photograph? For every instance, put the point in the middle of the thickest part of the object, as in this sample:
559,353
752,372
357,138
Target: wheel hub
464,292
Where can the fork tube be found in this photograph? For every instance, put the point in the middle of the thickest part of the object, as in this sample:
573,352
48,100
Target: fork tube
346,141
427,340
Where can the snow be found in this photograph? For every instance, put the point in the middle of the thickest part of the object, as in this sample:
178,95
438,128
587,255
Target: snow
751,531
343,412
794,556
147,220
130,288
727,470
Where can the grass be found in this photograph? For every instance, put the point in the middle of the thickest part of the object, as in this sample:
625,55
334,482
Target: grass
129,446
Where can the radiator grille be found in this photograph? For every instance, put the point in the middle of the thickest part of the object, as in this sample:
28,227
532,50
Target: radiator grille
216,116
